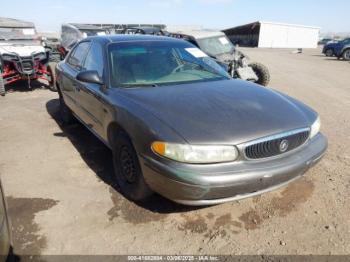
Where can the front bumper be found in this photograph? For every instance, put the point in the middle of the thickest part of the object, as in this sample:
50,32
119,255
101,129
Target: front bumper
218,183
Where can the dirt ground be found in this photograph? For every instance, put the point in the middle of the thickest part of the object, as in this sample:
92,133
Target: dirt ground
62,200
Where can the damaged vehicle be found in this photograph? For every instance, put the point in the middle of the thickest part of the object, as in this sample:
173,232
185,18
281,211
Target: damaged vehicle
22,55
218,46
52,42
144,30
179,125
72,33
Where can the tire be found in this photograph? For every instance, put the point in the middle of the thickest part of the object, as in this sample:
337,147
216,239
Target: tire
329,53
52,78
2,86
65,113
346,55
262,72
127,170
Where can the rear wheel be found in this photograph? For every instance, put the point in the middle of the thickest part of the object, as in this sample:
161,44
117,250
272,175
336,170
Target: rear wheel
2,86
66,114
127,170
262,73
346,55
329,52
52,76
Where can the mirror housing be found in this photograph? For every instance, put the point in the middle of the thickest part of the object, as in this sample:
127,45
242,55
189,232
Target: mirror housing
90,76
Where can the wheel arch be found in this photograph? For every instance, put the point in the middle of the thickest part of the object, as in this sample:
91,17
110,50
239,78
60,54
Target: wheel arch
345,49
113,130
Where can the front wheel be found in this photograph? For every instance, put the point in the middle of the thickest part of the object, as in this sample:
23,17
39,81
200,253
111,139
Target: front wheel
127,170
66,114
346,55
329,52
262,73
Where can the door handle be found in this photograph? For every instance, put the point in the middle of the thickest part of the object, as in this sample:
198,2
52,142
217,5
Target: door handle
76,87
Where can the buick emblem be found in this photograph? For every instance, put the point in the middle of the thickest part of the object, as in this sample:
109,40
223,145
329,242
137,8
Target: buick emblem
284,146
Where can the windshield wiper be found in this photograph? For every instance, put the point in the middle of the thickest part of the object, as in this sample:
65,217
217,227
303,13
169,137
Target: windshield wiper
202,67
139,85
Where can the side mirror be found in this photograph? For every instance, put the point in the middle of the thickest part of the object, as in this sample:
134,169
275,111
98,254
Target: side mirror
90,76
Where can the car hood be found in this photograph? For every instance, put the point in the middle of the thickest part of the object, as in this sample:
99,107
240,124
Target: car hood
222,112
332,45
21,50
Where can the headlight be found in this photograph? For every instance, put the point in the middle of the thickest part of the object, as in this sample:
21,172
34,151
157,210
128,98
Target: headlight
8,57
315,128
196,154
40,56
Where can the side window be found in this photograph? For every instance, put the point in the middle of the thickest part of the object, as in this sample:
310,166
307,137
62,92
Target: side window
76,59
94,59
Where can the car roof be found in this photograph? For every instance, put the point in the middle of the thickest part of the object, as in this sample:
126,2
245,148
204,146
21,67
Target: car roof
85,26
127,38
199,33
15,23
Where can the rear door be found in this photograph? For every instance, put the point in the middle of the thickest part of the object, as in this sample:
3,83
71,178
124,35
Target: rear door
69,85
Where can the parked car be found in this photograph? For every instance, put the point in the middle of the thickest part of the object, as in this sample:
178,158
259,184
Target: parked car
143,30
72,33
22,55
325,41
179,125
339,49
218,46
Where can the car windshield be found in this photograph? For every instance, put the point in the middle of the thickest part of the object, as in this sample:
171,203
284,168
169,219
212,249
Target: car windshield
7,33
151,63
346,41
216,45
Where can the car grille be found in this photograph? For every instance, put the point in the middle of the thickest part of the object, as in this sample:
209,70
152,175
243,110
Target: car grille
27,66
276,145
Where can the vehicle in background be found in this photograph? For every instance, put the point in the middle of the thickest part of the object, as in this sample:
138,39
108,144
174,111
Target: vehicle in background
179,125
72,33
143,30
325,41
339,49
52,42
22,55
5,230
218,46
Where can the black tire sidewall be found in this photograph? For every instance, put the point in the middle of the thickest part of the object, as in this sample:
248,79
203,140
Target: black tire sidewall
329,52
344,55
51,69
65,112
262,73
138,190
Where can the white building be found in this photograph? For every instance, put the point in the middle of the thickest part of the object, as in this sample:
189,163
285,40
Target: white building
274,35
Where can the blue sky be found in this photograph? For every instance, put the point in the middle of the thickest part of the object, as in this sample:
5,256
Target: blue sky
48,15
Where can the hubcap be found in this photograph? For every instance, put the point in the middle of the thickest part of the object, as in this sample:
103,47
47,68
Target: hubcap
347,55
127,163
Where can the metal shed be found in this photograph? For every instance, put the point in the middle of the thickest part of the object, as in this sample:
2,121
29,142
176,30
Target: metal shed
274,35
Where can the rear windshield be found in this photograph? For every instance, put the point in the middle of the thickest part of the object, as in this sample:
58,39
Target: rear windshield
150,63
